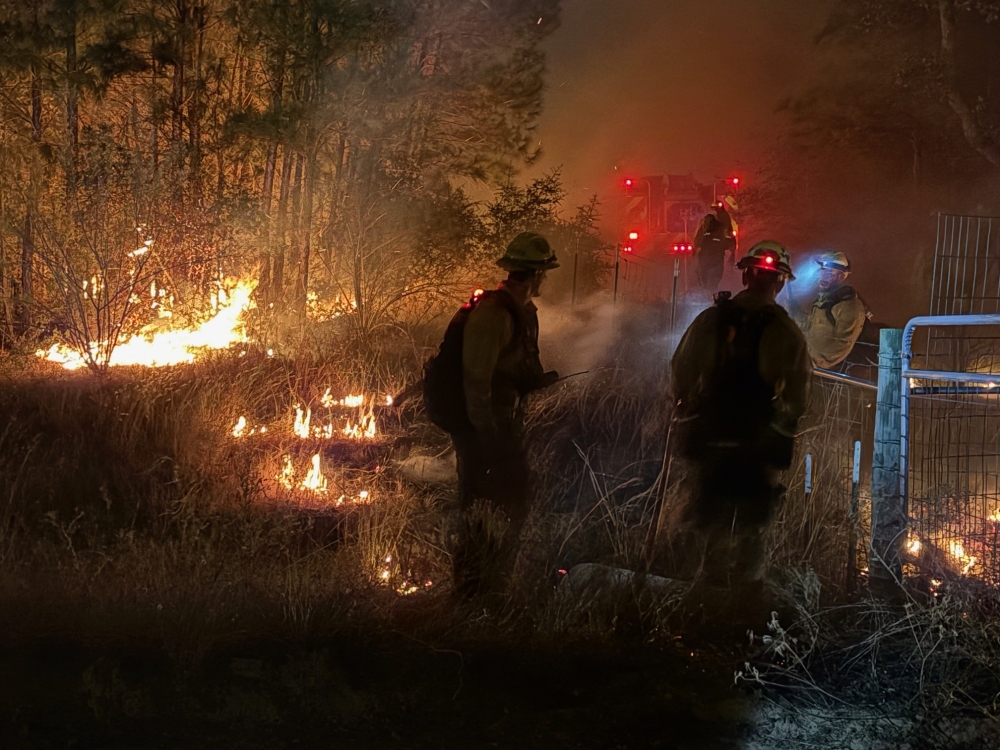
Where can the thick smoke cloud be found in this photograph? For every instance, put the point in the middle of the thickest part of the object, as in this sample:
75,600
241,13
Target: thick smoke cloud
677,86
653,87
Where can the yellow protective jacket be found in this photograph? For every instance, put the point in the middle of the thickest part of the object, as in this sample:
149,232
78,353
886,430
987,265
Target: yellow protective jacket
832,325
782,361
500,361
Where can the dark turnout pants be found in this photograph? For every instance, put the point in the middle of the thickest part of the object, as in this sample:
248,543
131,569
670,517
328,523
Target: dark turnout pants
731,496
711,264
494,497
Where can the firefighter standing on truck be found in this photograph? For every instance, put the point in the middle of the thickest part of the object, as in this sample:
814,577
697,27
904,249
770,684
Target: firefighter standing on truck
495,367
714,239
836,318
740,382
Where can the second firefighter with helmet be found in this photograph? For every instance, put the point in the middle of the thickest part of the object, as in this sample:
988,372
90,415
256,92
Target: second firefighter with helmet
740,382
837,315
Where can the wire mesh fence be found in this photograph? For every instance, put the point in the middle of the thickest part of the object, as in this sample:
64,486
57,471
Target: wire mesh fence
953,469
954,480
966,274
646,281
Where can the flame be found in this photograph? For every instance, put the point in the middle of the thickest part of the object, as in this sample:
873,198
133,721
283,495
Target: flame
286,477
957,550
995,516
171,347
363,426
913,546
314,479
301,425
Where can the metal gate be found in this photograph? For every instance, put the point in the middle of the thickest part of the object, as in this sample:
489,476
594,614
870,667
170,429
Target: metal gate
950,443
644,280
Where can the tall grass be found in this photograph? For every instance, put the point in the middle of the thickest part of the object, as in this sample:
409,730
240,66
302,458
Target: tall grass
129,514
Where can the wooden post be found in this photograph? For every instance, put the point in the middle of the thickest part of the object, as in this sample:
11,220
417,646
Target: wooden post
888,512
618,257
852,514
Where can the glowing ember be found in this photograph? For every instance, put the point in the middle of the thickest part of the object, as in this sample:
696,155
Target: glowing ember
913,546
995,516
171,347
240,429
405,587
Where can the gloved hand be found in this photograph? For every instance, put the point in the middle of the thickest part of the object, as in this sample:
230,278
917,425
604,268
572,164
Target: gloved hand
549,378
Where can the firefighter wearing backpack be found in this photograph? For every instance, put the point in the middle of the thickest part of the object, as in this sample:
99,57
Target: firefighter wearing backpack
714,239
475,389
836,318
740,382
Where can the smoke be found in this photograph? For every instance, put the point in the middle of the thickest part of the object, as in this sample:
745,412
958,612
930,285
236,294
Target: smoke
650,87
593,333
574,338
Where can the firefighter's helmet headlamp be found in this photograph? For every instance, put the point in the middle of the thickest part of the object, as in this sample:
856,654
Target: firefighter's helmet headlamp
768,255
834,260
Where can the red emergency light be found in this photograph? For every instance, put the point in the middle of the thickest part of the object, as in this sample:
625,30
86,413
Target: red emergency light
683,247
735,180
627,249
627,183
633,235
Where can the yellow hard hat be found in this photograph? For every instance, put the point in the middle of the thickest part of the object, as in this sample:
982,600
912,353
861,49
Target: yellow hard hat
529,251
834,259
768,255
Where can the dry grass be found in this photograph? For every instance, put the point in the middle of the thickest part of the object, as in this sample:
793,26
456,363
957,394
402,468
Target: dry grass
128,515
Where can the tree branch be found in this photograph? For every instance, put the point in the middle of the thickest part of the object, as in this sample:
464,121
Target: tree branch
973,130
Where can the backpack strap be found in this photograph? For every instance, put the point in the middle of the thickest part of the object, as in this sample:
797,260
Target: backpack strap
841,294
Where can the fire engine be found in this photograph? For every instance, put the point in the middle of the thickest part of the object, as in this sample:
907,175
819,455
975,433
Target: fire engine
661,215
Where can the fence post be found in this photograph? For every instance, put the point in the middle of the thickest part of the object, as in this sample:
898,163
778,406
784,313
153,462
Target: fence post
576,262
888,513
618,257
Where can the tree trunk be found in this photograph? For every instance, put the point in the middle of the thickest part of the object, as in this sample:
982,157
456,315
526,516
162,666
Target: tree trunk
194,108
278,259
72,111
977,136
269,166
177,95
302,278
295,223
31,209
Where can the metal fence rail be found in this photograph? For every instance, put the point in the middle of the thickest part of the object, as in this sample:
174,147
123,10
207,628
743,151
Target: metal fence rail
950,445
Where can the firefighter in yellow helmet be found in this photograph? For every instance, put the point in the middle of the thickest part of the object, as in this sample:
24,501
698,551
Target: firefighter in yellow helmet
475,389
836,317
740,382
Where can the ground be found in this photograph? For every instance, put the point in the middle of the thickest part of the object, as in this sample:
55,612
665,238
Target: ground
384,690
